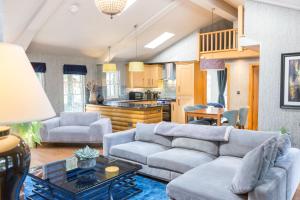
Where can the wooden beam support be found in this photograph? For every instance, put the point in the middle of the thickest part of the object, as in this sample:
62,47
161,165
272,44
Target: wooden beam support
222,8
247,53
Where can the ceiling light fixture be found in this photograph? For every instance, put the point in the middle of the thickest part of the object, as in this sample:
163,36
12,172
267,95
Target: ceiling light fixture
109,67
159,40
111,7
136,66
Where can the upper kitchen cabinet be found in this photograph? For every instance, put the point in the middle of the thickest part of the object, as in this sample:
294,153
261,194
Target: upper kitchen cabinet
149,78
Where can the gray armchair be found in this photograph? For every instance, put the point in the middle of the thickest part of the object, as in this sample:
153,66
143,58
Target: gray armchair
75,127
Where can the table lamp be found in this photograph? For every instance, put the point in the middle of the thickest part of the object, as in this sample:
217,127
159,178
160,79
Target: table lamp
22,99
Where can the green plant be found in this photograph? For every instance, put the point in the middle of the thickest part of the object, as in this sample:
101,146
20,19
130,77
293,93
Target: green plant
283,130
30,132
87,153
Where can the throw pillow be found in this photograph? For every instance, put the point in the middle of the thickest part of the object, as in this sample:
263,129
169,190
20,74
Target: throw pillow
254,166
284,143
145,133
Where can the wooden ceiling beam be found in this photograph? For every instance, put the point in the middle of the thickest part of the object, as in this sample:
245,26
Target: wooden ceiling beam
222,8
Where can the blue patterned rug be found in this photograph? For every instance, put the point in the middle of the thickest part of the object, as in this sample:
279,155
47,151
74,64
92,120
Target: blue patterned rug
152,189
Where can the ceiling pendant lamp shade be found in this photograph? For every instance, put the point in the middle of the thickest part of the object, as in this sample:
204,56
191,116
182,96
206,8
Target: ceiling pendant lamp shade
136,66
22,98
109,67
212,64
110,7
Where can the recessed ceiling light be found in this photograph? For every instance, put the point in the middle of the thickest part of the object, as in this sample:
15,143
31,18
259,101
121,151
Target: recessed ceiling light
74,8
159,40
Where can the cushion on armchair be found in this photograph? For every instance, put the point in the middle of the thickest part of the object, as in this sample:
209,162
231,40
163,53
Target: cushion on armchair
78,118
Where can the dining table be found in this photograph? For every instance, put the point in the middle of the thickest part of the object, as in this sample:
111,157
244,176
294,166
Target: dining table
208,113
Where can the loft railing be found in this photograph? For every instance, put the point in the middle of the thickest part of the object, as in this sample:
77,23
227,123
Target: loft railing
225,40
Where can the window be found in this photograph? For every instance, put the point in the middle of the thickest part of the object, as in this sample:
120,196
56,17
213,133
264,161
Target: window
41,77
113,84
74,92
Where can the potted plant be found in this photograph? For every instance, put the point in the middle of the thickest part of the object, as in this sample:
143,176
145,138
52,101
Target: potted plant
86,157
29,132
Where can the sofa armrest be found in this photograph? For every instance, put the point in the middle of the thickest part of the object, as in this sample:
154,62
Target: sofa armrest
99,128
113,139
290,162
272,187
47,125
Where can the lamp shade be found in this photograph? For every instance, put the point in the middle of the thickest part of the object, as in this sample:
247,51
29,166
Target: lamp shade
109,67
212,64
136,66
22,98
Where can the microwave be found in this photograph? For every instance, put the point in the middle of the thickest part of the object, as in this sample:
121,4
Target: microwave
136,95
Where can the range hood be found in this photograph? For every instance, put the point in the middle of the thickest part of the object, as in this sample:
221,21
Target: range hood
169,71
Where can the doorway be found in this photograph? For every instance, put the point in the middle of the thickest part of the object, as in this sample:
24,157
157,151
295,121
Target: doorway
253,97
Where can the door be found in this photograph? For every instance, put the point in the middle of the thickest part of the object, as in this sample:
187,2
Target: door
185,80
253,97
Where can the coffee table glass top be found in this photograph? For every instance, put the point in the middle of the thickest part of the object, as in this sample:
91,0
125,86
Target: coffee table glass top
66,175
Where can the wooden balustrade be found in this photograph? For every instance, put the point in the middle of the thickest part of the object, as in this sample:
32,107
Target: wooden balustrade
218,41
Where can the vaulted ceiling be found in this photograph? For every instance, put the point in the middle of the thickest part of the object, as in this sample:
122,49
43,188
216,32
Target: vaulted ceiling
50,26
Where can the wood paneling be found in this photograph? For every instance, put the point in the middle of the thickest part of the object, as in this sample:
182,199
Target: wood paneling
253,97
126,118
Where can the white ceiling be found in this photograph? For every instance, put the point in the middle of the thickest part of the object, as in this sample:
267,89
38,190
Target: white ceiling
294,4
89,32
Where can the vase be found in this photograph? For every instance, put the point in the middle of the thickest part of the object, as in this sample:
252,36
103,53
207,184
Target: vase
93,98
86,164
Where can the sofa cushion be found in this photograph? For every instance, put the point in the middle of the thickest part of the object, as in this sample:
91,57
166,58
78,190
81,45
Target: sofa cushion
145,133
243,141
136,151
195,144
209,181
78,118
255,165
69,134
284,143
178,159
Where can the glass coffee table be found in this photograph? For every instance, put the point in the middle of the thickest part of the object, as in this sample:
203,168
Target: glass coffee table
63,180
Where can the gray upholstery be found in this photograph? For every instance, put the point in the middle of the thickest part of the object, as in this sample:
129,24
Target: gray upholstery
69,133
199,145
209,181
272,187
136,151
284,143
179,160
255,165
290,163
145,132
243,141
78,118
110,140
75,128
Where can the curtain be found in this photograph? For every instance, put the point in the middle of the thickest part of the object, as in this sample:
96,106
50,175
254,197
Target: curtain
75,69
222,78
39,67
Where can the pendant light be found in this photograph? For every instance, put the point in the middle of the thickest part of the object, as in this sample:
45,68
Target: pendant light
218,64
136,66
109,67
110,7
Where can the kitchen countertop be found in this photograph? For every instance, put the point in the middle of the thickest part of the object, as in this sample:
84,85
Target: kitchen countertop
130,105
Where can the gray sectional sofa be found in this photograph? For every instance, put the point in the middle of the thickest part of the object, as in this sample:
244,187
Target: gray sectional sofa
199,169
75,127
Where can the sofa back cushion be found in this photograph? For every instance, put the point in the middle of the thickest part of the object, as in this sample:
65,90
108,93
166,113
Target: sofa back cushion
242,141
145,133
209,147
78,118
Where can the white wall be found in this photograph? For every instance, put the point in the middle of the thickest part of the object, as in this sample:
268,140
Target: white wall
184,50
239,81
277,29
1,20
54,75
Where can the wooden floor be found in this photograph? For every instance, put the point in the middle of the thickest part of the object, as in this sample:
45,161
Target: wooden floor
43,155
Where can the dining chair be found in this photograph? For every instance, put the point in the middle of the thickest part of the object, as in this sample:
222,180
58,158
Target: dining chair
192,120
230,118
243,116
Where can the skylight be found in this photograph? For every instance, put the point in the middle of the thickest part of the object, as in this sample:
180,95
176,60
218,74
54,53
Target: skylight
159,40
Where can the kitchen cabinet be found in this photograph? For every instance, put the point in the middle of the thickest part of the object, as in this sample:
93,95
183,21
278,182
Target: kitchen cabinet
149,78
190,89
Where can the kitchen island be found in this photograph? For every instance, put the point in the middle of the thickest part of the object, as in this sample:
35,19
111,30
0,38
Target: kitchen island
125,114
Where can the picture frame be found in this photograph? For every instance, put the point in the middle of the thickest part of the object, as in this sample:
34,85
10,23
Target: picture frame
290,81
